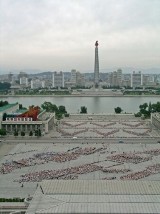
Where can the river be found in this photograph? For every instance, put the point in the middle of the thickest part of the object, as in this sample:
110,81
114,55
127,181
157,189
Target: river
93,104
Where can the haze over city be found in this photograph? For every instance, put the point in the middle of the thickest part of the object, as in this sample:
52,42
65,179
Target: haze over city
60,35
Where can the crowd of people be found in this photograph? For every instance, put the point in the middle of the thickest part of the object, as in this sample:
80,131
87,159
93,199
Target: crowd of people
150,170
23,152
128,158
114,170
106,134
45,157
152,152
59,174
109,178
79,128
103,126
73,125
132,125
145,133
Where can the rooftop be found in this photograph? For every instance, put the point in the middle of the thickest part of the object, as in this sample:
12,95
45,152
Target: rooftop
3,108
88,196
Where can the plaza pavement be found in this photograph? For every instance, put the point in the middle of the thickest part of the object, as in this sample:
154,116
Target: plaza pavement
89,134
10,184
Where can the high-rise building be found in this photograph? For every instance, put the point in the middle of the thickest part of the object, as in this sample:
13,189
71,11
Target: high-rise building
136,79
10,77
77,78
36,83
80,79
115,78
73,75
22,74
23,81
58,79
96,66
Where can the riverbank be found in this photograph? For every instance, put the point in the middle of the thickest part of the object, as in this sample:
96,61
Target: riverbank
79,95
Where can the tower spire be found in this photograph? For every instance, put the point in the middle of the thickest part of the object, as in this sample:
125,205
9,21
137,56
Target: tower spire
96,66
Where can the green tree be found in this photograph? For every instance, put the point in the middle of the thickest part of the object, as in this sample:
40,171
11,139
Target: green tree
15,133
144,110
83,110
3,132
3,103
4,116
36,132
39,133
118,110
62,109
5,86
20,106
31,133
22,133
49,107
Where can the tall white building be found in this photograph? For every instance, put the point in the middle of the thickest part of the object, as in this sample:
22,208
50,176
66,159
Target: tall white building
73,75
115,78
136,79
23,81
58,79
36,83
77,78
80,79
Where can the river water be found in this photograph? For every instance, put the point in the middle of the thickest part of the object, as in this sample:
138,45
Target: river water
93,104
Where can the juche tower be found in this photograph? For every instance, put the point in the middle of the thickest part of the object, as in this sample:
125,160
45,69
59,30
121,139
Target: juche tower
96,66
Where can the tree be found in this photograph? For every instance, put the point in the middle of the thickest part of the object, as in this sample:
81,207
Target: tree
49,107
62,109
3,132
20,106
22,133
38,132
4,116
31,133
144,109
3,103
15,133
5,86
118,110
83,110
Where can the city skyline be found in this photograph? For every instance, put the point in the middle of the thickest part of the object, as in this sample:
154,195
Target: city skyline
59,35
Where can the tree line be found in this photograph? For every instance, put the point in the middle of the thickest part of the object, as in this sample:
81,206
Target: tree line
4,86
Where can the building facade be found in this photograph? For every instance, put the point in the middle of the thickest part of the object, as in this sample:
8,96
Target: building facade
37,83
58,79
155,120
26,120
115,78
136,79
23,81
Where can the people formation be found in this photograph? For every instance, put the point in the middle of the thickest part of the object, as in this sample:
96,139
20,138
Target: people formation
117,167
150,170
45,157
128,158
102,129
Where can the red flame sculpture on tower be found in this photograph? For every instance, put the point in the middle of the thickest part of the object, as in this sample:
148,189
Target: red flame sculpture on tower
96,44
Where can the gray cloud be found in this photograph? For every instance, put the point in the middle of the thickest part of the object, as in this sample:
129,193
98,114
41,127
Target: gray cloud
60,34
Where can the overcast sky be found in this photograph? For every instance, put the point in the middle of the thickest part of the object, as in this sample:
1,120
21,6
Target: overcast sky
60,34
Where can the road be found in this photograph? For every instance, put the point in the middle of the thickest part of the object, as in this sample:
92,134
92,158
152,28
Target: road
82,140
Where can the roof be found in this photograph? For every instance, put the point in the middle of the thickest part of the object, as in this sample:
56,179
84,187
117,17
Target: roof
3,108
21,111
100,187
96,196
